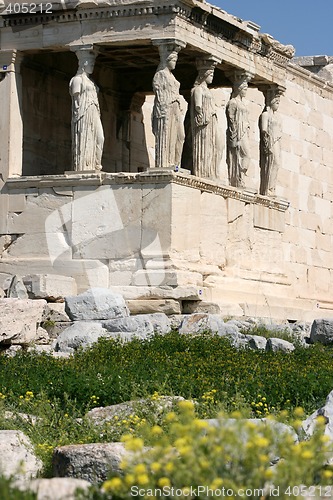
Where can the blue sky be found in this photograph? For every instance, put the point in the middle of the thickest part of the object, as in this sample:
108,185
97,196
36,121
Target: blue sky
306,24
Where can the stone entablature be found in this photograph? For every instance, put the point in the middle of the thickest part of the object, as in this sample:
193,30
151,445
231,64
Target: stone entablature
155,176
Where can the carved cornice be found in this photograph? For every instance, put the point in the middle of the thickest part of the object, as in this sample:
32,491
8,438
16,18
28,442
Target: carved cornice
211,19
151,176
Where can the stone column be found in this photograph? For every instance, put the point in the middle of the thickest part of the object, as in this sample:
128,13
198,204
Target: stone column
168,119
11,122
270,139
207,140
87,129
238,151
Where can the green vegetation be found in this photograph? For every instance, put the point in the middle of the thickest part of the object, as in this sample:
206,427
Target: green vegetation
187,453
204,368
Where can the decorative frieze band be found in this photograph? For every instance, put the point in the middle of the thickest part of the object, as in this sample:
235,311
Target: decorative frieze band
152,176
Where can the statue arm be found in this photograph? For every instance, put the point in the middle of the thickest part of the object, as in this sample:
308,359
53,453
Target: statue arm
162,94
265,135
75,88
197,100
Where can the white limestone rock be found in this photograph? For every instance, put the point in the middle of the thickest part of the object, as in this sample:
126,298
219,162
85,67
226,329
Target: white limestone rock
322,331
99,416
176,321
96,303
160,321
16,456
80,334
161,292
128,328
19,320
56,488
197,306
198,323
51,287
55,312
15,288
279,429
166,306
91,462
275,344
42,336
2,293
326,411
202,322
256,342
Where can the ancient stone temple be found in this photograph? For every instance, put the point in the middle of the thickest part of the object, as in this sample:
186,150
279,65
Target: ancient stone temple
168,150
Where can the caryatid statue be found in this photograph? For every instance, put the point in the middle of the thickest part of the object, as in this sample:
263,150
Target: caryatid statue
87,130
270,140
206,136
167,119
238,153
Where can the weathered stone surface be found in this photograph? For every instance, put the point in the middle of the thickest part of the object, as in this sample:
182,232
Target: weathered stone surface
326,411
15,288
16,456
274,344
96,303
80,334
12,350
54,330
156,293
201,322
56,488
160,322
256,342
166,306
123,410
51,287
322,331
127,328
19,320
176,321
91,462
2,293
54,313
42,336
193,306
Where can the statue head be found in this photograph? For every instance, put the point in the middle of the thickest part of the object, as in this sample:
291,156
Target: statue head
272,97
86,61
168,55
240,83
205,69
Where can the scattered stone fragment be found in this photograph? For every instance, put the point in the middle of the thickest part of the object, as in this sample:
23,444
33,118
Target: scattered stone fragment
57,488
123,410
17,459
80,334
256,342
194,306
96,303
15,288
19,320
91,462
274,344
322,331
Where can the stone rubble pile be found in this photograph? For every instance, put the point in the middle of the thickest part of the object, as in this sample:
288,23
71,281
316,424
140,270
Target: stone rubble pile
36,313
